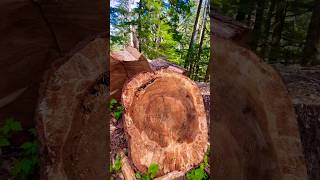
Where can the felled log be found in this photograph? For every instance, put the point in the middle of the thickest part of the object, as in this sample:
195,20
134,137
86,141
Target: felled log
255,130
303,84
37,32
227,28
159,63
165,121
123,66
71,114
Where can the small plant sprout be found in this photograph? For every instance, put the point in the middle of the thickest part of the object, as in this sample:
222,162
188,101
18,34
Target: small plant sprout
116,108
199,173
152,172
117,165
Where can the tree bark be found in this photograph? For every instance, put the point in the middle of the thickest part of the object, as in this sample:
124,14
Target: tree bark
241,14
193,38
267,26
203,30
261,5
139,24
123,66
277,30
262,124
311,52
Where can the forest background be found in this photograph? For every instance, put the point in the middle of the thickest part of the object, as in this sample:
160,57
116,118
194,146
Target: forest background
282,31
174,30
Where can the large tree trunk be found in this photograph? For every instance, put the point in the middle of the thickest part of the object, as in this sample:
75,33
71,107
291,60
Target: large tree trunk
193,38
258,24
262,124
165,121
241,14
277,30
304,88
267,26
195,64
71,114
311,53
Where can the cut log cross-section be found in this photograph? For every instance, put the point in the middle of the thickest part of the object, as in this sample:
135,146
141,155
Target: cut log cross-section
165,121
71,114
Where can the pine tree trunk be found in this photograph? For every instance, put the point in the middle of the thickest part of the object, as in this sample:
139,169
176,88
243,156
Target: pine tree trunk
241,14
139,25
203,33
258,24
311,53
193,38
267,28
277,30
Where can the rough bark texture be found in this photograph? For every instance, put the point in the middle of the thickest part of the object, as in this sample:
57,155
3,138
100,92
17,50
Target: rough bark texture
228,28
304,87
35,34
280,15
165,121
123,66
71,112
256,134
160,63
311,54
193,37
258,24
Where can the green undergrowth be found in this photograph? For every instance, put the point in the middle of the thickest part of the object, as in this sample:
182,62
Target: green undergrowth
151,173
26,161
116,109
116,166
199,173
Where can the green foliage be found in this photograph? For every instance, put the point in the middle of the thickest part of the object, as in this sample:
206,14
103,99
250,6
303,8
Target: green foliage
26,165
117,165
28,161
199,173
152,172
116,108
10,126
163,29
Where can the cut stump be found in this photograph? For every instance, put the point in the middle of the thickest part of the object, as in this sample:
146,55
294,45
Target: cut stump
165,121
71,114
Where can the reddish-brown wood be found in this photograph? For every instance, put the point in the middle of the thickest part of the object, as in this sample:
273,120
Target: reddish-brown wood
123,66
71,114
165,121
